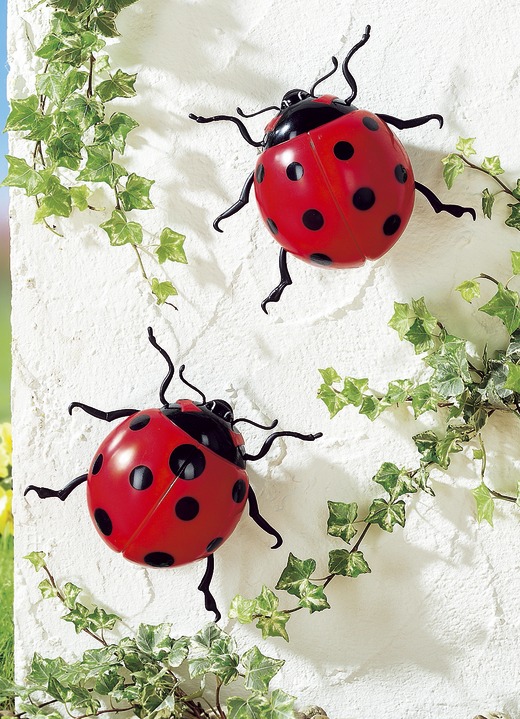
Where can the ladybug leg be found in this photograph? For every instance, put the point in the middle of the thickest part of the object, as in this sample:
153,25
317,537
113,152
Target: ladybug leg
243,129
209,600
255,515
269,441
238,205
171,370
45,492
438,206
99,414
414,122
346,72
285,281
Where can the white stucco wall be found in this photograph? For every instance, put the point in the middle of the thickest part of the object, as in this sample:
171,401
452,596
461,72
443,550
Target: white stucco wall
434,630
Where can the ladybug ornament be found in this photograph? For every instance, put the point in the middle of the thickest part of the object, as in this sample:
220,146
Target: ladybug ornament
333,184
168,486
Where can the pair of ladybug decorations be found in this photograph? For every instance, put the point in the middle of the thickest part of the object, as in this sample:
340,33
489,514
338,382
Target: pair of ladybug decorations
333,184
335,187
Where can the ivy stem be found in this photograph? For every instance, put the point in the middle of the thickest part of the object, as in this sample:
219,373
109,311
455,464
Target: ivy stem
217,699
483,276
484,457
481,169
505,497
143,271
90,88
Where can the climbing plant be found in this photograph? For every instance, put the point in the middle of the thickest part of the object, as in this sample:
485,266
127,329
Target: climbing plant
76,144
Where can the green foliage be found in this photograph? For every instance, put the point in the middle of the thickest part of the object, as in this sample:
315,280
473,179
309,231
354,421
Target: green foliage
151,674
75,139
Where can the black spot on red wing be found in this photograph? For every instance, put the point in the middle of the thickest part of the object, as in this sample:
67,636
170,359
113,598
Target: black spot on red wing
159,559
141,477
103,521
187,509
401,175
139,422
239,491
364,198
370,123
313,220
260,173
97,464
392,224
272,226
343,150
320,259
214,544
294,171
211,431
187,461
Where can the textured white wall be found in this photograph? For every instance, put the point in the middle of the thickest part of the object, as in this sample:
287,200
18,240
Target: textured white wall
434,630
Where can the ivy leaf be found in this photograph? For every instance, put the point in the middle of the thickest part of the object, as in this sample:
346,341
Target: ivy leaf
513,377
135,196
485,503
70,594
424,399
105,24
420,337
422,312
51,43
312,597
488,200
83,111
259,669
348,564
398,391
100,619
330,376
254,707
426,443
449,444
100,167
121,84
122,232
59,81
24,114
295,574
515,262
451,369
171,247
22,175
402,319
57,201
465,145
42,129
491,165
242,609
281,705
274,625
65,151
78,616
371,407
341,520
76,49
116,6
453,166
37,559
514,218
394,480
79,195
504,305
386,514
115,131
47,589
332,398
267,601
469,289
516,190
152,638
162,290
353,389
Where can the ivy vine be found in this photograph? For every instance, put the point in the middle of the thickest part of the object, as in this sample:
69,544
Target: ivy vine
76,144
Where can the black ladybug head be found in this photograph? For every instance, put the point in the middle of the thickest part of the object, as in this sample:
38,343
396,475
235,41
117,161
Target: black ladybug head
293,97
221,408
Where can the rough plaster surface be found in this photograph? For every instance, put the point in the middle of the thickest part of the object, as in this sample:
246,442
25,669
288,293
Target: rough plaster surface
434,630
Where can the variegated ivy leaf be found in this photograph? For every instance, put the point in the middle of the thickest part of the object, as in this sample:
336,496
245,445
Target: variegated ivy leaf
386,514
514,218
488,200
492,166
513,377
295,574
424,399
259,669
341,520
162,290
402,319
348,564
465,145
469,289
485,503
515,262
330,376
312,597
37,559
453,166
254,707
505,305
273,625
394,480
332,398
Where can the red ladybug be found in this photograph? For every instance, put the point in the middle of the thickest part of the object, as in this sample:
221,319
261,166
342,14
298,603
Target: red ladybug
333,183
167,486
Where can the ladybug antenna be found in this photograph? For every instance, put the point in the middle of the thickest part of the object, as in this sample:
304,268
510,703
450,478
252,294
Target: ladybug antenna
255,424
346,72
335,63
269,441
259,112
243,129
171,370
181,370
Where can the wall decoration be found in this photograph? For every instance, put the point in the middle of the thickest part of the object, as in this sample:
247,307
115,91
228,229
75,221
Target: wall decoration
329,171
141,492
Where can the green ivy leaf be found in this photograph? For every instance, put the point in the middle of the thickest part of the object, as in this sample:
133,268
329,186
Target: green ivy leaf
341,520
451,369
424,399
371,407
65,151
514,218
332,398
42,129
453,166
22,175
79,195
153,638
122,232
254,707
104,23
135,196
295,574
515,262
348,564
312,597
57,201
516,190
59,81
115,131
386,514
513,377
402,319
83,111
100,167
267,601
51,44
491,165
394,480
242,609
330,376
465,145
504,305
70,594
47,589
469,289
121,84
426,443
162,290
485,503
420,337
99,619
24,114
281,705
259,669
274,625
488,200
116,6
398,391
171,247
